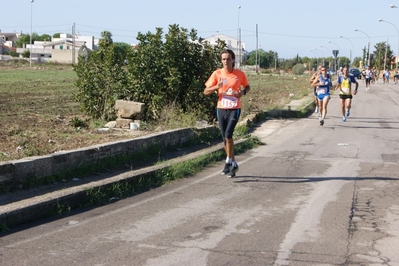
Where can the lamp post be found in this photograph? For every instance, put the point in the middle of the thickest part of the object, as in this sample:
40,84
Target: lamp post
317,58
238,37
397,55
352,47
368,46
322,54
393,6
30,38
321,46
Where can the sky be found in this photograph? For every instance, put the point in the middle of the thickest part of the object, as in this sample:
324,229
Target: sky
289,27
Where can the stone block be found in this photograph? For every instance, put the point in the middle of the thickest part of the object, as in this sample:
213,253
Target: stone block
123,122
128,109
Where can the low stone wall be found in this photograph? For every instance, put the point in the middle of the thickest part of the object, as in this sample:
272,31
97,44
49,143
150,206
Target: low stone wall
48,165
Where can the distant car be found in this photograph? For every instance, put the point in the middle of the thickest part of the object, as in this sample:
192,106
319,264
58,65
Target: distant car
355,72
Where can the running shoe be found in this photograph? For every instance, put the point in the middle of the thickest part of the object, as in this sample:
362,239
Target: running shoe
348,113
316,110
234,170
226,169
321,122
343,119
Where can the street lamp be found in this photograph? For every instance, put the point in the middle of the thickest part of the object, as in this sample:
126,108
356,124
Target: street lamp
352,47
317,58
334,44
238,37
321,46
368,46
322,54
393,6
397,55
30,38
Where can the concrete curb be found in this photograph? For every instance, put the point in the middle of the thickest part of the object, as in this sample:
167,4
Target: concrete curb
49,204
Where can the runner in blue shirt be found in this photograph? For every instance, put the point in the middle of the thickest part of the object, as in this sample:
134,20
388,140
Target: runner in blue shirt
323,85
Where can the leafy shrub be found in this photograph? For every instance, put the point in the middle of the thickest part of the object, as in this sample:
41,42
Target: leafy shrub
77,123
160,71
26,54
298,69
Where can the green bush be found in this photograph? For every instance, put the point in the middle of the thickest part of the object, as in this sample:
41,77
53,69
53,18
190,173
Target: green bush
298,69
160,71
26,54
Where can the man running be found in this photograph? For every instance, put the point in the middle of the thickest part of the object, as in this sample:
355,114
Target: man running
368,75
230,84
314,76
345,92
323,85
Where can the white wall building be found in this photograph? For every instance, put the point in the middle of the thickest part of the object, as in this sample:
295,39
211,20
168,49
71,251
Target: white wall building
232,43
7,41
64,50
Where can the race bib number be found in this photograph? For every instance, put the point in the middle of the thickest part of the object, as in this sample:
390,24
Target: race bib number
321,91
229,102
345,90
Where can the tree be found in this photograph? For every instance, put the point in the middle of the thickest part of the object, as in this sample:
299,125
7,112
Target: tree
25,39
290,63
172,72
44,38
265,59
102,79
343,61
156,72
356,61
382,55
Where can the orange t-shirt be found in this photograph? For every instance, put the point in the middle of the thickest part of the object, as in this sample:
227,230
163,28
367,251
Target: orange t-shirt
232,82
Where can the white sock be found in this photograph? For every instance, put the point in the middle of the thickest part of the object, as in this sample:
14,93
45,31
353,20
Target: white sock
228,160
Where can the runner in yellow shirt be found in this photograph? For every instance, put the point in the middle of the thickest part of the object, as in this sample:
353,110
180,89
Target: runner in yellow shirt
345,92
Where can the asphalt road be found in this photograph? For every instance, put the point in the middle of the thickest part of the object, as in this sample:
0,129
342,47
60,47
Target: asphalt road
313,195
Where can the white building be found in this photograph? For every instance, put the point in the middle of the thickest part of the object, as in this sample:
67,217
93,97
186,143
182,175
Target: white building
64,50
232,43
7,41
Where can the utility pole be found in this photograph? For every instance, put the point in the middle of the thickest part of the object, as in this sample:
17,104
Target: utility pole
73,43
256,55
30,39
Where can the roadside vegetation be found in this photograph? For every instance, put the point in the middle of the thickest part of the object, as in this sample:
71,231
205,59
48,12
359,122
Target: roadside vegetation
39,114
48,107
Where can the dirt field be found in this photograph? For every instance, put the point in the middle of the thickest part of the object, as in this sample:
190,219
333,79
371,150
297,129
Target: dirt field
37,107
